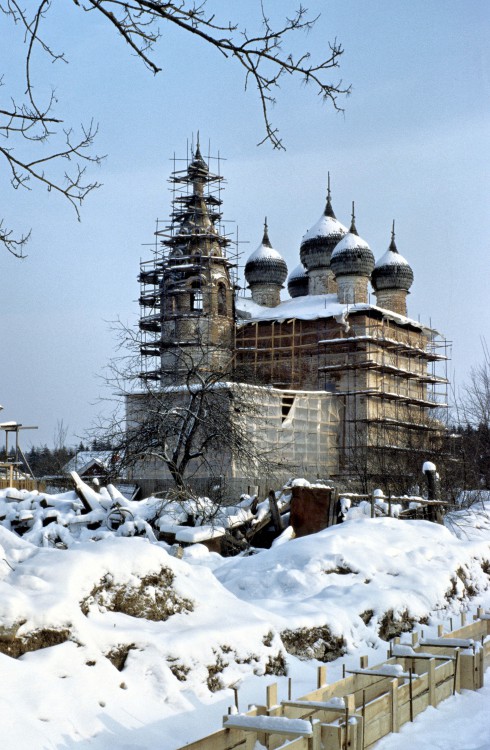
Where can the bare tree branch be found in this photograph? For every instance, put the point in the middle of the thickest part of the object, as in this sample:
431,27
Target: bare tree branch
28,120
260,55
190,430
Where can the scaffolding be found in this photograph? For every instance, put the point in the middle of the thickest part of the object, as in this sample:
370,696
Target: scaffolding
181,251
385,374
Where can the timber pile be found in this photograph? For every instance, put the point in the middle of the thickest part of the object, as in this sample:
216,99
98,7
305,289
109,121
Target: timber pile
368,703
93,513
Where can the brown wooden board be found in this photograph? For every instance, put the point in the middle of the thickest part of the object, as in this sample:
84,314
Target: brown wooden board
310,509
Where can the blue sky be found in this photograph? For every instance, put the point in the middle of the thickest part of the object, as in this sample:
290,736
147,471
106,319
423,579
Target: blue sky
412,144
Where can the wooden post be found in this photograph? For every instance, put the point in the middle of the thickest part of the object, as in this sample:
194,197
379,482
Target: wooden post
432,683
235,690
467,671
274,511
415,638
372,506
363,662
321,678
290,688
440,631
315,742
331,736
463,619
457,674
271,695
363,718
395,726
350,702
410,672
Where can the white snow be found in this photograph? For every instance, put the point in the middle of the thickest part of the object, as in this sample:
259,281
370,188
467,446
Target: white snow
300,727
324,227
459,723
349,242
311,307
298,272
224,616
391,258
264,252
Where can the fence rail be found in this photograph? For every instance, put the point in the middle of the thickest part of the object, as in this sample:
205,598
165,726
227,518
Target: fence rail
368,703
22,484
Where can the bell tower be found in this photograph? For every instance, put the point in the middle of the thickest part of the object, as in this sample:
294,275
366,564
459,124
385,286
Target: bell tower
193,289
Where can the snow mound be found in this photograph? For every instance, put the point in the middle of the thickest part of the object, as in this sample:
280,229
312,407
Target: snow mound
131,602
360,580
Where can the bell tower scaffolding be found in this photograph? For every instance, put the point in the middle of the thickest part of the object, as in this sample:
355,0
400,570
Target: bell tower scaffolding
187,289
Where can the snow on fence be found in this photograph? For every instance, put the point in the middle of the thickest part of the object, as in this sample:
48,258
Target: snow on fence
394,506
368,703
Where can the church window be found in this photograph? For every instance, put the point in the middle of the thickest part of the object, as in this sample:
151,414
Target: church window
196,297
221,299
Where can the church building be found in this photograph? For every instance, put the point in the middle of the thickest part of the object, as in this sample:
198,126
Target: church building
348,389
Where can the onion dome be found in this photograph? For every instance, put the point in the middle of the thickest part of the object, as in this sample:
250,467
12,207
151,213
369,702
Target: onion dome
392,271
352,256
318,243
298,281
266,265
198,167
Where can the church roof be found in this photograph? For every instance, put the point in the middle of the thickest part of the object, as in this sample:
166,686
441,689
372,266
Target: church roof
298,281
319,241
266,265
392,270
326,226
352,255
313,307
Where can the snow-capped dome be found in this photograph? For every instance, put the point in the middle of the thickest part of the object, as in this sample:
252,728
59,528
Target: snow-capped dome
298,281
319,241
266,265
352,256
392,271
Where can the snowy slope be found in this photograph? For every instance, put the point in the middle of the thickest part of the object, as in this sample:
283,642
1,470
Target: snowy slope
137,640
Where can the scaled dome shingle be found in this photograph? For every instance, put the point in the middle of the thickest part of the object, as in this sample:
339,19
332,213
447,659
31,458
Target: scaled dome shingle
298,281
266,265
392,270
319,241
352,256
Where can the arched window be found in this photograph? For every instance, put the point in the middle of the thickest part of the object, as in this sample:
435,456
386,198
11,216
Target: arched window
196,296
221,299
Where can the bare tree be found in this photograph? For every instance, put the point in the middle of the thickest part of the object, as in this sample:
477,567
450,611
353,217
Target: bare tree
261,56
473,412
475,399
195,430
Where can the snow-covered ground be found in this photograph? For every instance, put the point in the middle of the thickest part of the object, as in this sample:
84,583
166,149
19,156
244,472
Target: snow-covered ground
140,649
460,723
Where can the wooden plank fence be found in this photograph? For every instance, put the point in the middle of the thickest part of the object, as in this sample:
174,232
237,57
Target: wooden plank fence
355,712
22,484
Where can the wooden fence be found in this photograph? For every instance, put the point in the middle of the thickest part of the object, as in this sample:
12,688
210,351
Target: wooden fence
369,702
22,484
12,477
